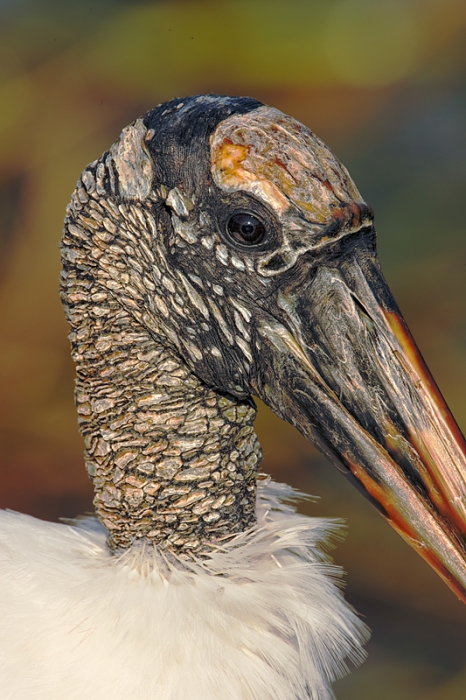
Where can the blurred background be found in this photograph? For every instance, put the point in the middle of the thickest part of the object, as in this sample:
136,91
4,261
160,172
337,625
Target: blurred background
383,82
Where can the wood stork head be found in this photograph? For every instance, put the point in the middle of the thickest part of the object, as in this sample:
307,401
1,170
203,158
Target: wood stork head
231,235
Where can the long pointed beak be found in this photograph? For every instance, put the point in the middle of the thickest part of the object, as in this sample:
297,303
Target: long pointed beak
342,366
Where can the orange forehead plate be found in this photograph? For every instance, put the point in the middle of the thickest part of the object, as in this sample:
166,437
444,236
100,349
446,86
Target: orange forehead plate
282,162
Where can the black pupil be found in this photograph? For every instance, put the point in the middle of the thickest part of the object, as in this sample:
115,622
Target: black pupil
246,229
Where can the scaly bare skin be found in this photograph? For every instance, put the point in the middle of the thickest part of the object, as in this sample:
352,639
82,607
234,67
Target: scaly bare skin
177,319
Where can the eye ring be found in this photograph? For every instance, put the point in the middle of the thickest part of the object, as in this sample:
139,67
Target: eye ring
246,229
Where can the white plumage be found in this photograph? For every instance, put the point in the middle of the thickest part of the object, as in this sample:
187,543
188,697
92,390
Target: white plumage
262,618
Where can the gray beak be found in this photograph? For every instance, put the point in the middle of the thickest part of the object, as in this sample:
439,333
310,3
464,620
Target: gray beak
340,364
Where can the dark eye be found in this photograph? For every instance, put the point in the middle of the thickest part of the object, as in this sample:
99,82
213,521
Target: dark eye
246,229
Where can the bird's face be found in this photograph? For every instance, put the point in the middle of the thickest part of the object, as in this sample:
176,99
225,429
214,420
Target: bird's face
282,296
246,236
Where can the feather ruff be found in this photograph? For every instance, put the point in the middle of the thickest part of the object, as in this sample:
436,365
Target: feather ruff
261,618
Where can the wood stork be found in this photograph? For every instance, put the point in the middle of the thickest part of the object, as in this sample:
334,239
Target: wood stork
216,251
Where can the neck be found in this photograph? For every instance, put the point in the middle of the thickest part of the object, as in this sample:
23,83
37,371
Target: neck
173,462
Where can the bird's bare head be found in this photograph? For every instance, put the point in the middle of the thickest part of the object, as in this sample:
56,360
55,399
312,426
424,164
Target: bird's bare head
248,202
257,262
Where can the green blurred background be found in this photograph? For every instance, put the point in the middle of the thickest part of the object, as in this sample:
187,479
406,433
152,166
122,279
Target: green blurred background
383,82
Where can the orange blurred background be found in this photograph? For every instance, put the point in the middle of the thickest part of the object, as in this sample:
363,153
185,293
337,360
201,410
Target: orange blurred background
383,82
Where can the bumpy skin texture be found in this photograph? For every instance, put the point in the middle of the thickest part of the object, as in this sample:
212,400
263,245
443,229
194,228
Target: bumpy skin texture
173,461
177,320
164,335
